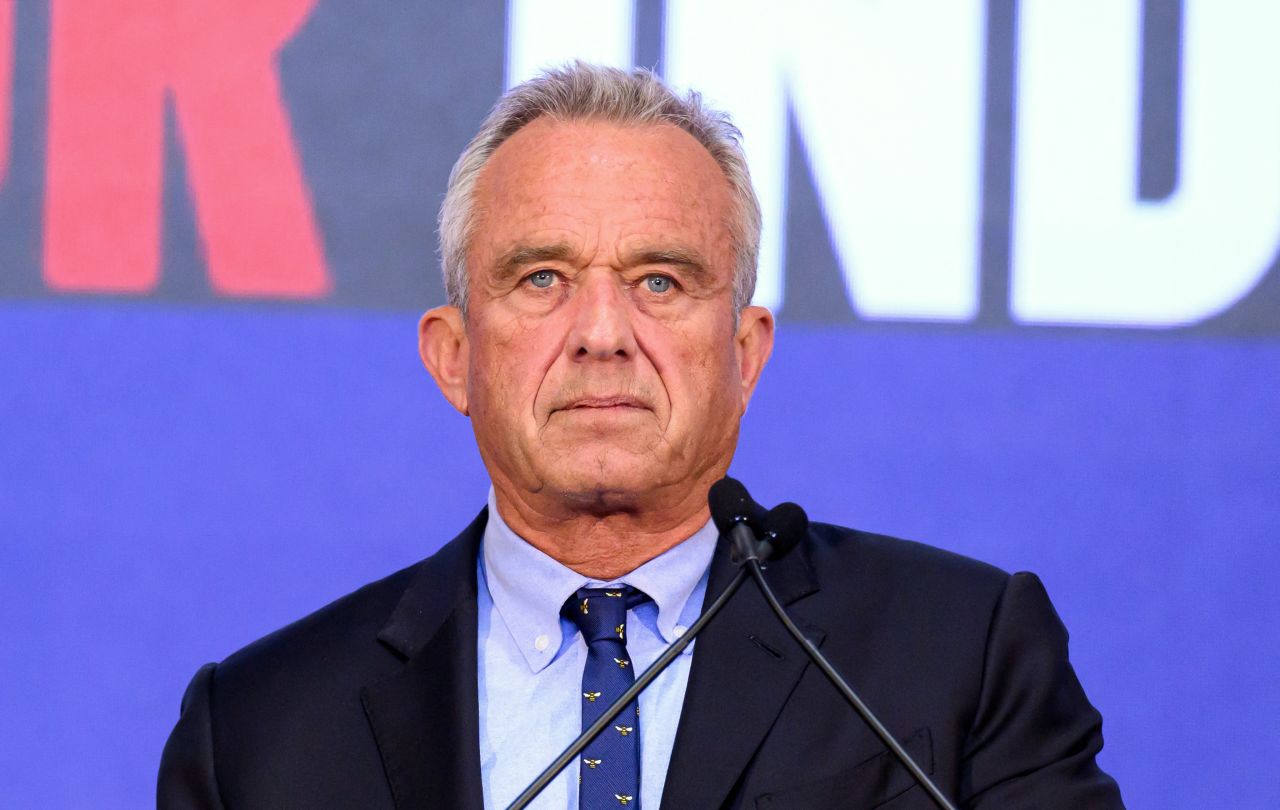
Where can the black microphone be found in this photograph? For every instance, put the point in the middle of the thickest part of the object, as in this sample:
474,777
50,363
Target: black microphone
731,504
731,510
736,515
784,526
755,533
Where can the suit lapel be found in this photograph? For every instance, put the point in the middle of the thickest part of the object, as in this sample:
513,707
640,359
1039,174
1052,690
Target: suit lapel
425,716
745,667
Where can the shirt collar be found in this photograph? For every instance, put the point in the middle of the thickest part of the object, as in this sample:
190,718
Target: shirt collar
529,587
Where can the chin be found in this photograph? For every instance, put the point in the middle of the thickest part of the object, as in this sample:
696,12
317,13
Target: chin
596,487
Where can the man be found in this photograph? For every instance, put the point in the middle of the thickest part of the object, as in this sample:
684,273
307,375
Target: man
599,240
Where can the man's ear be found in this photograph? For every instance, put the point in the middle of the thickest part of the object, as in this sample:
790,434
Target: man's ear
442,342
754,343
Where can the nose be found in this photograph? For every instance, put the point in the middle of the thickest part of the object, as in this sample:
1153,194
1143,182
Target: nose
601,328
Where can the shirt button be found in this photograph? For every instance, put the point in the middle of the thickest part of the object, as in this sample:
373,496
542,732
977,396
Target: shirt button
680,630
540,643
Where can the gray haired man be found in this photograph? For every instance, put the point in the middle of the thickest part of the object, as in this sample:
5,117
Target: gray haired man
599,240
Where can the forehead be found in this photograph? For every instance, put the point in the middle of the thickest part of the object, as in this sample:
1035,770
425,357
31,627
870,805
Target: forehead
593,180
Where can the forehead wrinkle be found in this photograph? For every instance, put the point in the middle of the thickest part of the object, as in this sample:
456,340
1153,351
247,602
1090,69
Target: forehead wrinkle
600,190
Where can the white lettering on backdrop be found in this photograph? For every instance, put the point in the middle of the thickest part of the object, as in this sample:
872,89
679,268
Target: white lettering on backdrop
888,100
1086,250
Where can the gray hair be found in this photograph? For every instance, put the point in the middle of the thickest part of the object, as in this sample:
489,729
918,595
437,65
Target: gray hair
580,91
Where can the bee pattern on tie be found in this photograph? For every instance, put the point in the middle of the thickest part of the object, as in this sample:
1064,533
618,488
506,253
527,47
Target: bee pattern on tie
609,766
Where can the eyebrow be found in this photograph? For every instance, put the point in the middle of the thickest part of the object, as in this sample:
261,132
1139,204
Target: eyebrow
688,260
514,260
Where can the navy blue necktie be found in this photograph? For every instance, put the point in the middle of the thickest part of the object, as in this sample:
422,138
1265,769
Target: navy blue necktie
609,769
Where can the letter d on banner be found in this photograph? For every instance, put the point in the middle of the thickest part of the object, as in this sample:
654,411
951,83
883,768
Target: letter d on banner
1086,250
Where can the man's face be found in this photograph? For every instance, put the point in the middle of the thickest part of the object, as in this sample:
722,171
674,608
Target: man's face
602,364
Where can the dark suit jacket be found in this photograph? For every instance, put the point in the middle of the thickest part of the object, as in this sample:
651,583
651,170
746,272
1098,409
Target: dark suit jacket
371,702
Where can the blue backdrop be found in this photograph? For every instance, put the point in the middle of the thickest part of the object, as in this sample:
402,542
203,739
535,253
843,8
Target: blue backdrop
186,464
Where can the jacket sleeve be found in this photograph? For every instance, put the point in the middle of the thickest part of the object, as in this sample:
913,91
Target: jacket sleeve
1035,735
187,777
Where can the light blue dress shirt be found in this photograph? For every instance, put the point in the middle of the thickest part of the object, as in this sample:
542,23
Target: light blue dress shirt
530,661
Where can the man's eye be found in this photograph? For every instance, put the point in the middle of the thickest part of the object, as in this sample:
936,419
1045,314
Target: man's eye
542,279
658,284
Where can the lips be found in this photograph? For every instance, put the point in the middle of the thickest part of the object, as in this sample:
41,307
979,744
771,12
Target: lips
605,402
601,403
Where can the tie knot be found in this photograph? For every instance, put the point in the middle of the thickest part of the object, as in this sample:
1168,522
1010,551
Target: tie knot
601,613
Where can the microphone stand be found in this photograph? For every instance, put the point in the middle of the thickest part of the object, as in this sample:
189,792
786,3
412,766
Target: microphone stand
615,708
757,573
747,551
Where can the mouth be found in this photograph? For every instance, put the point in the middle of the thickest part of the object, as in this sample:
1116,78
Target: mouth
604,403
619,405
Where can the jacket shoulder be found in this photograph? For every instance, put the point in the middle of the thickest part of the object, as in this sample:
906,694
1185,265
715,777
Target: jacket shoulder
345,631
357,615
919,610
283,717
906,566
236,741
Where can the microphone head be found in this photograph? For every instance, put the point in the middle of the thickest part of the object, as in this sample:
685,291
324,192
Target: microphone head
730,504
785,525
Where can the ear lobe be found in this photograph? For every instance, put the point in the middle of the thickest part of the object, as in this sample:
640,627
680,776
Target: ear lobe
442,343
754,343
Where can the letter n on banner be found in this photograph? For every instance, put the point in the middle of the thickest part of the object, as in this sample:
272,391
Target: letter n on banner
112,68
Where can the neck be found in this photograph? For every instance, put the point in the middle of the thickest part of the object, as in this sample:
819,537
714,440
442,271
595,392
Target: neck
602,543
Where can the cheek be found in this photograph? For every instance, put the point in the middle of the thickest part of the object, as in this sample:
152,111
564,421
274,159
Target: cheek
509,370
702,379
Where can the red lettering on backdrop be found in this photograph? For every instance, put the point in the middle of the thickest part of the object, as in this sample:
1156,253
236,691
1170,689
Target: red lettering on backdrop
7,48
112,65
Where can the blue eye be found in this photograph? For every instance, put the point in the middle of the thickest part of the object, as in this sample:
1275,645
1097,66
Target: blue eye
658,284
542,279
